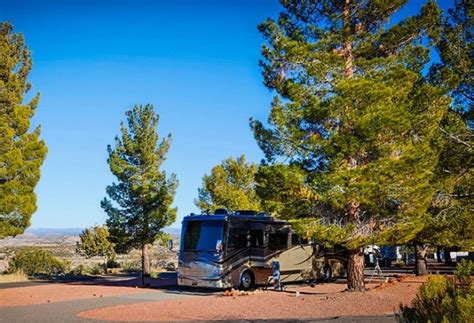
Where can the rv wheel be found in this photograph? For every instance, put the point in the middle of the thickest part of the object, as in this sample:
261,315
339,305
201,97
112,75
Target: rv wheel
246,280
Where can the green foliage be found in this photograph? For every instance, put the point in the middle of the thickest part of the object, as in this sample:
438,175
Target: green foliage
34,261
130,266
163,238
97,269
231,185
463,273
353,117
443,299
21,151
449,220
112,263
95,242
79,270
454,71
143,194
283,190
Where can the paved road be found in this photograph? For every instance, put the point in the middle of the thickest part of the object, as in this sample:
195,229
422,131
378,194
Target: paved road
66,311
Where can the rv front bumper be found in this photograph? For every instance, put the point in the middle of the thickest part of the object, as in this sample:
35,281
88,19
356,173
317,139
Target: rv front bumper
221,283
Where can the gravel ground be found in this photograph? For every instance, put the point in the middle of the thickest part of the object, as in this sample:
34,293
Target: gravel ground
322,301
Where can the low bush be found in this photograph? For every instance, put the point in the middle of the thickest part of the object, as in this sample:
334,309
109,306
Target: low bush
34,261
131,266
443,299
97,269
154,274
80,270
112,263
399,264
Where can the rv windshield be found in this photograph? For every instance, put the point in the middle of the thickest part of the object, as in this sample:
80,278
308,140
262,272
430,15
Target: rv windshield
203,235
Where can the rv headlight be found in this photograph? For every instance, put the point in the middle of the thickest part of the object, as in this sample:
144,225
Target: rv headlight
217,271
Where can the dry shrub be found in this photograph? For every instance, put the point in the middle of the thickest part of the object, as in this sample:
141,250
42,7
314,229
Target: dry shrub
18,276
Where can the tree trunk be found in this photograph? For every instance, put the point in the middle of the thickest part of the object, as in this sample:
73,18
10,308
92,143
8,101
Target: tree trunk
105,265
355,271
348,69
145,263
438,254
447,255
421,268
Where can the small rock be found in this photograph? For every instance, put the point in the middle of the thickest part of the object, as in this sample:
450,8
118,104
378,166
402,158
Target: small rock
297,294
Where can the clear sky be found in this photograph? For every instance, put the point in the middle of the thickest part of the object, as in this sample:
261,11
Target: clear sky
195,61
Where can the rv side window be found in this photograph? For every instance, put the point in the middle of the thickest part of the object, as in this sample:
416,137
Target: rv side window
295,239
237,239
277,241
256,238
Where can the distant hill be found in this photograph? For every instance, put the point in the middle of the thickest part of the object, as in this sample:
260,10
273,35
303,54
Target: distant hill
173,231
54,231
41,232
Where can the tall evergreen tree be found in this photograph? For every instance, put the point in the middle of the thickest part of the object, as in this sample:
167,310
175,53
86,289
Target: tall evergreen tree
143,194
22,152
455,71
230,185
449,221
354,116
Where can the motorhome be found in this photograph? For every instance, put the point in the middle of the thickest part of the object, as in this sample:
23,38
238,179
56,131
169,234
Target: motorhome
224,250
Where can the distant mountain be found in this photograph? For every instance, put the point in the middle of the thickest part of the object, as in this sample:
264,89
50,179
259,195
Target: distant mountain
173,231
41,232
54,231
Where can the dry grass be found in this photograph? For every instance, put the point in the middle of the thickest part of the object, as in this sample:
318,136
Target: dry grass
12,278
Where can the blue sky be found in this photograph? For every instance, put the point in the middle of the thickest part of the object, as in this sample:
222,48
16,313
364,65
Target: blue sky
195,61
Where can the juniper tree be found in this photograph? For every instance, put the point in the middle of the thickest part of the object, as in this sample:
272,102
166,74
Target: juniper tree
143,193
22,152
354,117
230,185
95,242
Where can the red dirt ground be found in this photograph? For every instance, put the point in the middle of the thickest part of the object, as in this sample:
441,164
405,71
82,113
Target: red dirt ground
50,293
325,300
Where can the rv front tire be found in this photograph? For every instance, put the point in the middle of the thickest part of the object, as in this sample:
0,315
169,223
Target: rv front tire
246,280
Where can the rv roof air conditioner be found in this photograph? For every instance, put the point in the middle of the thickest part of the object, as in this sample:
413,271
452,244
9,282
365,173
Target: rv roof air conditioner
246,212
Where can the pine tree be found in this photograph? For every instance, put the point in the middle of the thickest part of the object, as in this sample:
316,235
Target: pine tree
143,194
455,48
21,151
230,185
355,116
449,222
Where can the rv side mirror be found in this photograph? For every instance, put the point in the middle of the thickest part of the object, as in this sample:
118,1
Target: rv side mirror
170,244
